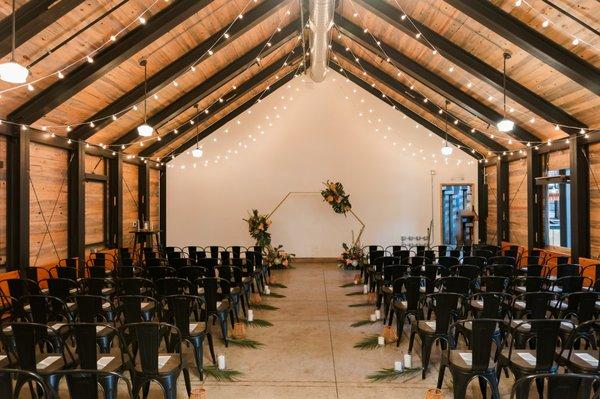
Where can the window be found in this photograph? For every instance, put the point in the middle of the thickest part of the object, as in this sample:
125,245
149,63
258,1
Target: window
557,211
455,200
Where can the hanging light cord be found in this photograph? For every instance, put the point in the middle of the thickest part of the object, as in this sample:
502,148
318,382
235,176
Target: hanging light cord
145,90
14,29
446,122
504,83
197,136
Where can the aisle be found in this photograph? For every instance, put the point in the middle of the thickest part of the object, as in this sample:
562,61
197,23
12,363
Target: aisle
309,350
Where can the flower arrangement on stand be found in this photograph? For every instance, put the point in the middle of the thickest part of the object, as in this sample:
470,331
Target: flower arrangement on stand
277,258
335,196
258,226
352,257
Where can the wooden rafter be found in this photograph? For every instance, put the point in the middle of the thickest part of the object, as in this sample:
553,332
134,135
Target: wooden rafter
107,59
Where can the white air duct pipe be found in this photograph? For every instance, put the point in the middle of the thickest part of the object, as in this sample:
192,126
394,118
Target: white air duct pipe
320,23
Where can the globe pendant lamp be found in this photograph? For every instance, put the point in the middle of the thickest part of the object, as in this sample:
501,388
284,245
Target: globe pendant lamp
505,125
145,130
197,152
446,149
12,71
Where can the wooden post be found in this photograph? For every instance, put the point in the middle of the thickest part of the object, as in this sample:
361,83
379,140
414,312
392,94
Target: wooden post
144,193
482,205
163,206
18,199
580,199
115,186
502,198
76,205
534,200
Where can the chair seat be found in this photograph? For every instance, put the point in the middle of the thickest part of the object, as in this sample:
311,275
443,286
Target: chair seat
167,363
235,290
581,360
387,290
564,325
463,359
400,305
476,304
50,362
108,362
197,328
427,326
519,305
561,305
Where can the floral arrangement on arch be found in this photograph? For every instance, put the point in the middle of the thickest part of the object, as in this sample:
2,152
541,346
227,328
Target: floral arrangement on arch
352,256
258,226
335,196
277,258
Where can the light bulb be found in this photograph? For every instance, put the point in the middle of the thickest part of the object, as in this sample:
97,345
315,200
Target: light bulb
446,150
505,125
13,72
145,130
197,152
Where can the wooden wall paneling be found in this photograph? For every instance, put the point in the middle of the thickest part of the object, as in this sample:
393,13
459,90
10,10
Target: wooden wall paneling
154,199
556,160
95,205
95,164
3,198
594,182
492,214
517,202
48,204
130,201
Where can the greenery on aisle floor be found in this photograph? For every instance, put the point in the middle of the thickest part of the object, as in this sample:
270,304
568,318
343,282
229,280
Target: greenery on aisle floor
277,285
245,343
335,196
369,342
358,305
364,323
274,295
258,226
222,375
352,257
348,285
258,323
263,306
355,293
389,374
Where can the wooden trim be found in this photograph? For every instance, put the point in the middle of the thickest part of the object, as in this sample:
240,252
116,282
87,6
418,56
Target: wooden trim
95,177
115,213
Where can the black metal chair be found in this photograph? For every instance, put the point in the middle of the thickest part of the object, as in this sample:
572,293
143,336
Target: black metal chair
560,386
478,361
406,292
84,384
37,384
217,301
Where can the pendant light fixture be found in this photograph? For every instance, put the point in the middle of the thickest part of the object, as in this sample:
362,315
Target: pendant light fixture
145,130
197,152
505,125
446,149
12,71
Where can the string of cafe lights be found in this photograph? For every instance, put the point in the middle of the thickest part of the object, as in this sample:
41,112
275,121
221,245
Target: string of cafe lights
135,107
157,137
251,138
470,85
509,140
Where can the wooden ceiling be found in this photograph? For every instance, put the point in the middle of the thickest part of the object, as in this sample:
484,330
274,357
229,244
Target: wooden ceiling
551,79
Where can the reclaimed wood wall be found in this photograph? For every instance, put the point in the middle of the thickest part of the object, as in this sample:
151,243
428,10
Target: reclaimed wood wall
3,214
517,202
594,157
48,210
154,199
492,216
130,201
95,202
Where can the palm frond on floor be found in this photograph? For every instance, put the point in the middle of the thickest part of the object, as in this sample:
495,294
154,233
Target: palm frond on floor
222,375
348,285
355,293
278,285
263,306
369,342
357,305
363,323
245,343
274,295
389,374
259,323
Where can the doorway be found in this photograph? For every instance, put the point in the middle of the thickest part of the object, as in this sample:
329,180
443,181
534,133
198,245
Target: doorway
456,198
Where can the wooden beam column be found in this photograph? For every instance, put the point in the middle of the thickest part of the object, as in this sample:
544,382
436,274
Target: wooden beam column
163,207
115,213
482,204
18,199
502,198
144,193
580,199
76,204
534,200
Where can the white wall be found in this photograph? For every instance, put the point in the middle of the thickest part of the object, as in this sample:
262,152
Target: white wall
319,136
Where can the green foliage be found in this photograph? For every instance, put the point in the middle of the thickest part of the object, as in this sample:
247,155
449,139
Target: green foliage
389,374
275,295
257,227
278,285
355,293
258,323
245,343
263,306
358,305
369,342
335,196
363,323
221,375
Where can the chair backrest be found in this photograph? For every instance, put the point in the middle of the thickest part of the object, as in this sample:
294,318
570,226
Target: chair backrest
535,270
171,286
17,287
560,386
147,339
157,272
26,337
536,303
566,270
178,263
83,383
45,308
495,304
448,261
133,286
95,286
503,270
588,331
130,307
454,284
85,342
483,332
474,260
180,307
62,288
570,284
493,283
409,287
125,271
215,289
445,306
484,253
65,272
503,260
393,272
35,273
469,271
92,308
581,305
6,387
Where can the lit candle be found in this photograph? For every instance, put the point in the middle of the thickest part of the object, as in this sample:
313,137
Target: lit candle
398,366
365,289
380,341
250,315
408,360
373,317
267,290
221,362
377,314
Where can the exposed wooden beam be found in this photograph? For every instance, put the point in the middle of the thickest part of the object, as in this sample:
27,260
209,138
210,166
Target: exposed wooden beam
418,99
411,114
143,193
76,204
230,116
163,208
17,193
429,78
502,217
482,203
106,60
536,44
166,75
32,18
580,199
217,80
115,212
472,64
534,200
241,91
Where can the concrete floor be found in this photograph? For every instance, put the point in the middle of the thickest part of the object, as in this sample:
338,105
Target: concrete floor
308,352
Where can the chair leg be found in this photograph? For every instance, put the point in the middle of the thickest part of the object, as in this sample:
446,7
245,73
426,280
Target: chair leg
483,386
426,344
411,341
188,383
459,384
223,322
441,376
400,316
